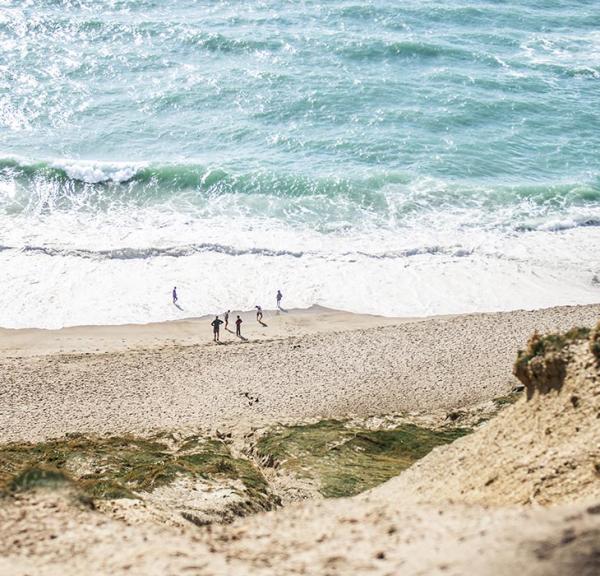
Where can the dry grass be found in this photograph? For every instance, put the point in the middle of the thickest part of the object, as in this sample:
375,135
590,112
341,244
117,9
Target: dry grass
542,365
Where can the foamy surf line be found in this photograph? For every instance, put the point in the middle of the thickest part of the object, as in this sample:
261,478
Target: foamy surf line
93,173
89,172
110,251
120,290
189,250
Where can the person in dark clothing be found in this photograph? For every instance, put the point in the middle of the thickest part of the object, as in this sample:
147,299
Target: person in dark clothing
259,313
279,297
238,327
175,295
216,324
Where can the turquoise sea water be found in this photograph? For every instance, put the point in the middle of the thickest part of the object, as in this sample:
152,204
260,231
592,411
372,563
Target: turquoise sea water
408,157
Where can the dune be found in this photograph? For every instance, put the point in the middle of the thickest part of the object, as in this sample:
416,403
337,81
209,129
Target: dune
521,492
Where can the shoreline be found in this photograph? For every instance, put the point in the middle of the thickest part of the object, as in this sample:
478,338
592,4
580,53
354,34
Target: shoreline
195,330
192,331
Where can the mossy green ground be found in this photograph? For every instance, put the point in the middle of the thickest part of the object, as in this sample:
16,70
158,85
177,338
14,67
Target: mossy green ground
595,341
345,460
123,466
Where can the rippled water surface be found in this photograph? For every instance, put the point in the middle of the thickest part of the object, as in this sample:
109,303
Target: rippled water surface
389,157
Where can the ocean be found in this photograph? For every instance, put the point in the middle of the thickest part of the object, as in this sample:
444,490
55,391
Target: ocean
397,158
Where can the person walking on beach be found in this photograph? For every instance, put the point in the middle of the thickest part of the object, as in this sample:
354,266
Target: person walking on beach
238,327
216,324
175,295
279,297
227,318
259,314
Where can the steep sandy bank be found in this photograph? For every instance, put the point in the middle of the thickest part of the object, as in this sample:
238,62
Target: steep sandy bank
460,509
544,450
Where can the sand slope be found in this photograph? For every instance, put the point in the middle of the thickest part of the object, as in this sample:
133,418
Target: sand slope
544,450
418,365
47,535
457,510
464,509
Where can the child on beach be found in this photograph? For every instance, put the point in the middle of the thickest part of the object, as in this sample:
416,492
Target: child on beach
216,324
238,327
279,297
175,295
259,313
227,318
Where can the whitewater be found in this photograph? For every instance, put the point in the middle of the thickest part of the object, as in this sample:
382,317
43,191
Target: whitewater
395,158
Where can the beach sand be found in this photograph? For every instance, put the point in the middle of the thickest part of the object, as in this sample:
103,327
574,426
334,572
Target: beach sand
302,365
188,332
307,365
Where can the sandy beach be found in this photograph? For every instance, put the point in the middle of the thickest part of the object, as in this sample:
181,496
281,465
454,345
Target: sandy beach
302,365
400,200
471,505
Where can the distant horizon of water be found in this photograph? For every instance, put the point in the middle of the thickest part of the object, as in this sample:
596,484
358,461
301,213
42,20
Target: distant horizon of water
396,158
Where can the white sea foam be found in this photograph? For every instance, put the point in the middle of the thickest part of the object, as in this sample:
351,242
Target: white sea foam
120,268
419,250
95,172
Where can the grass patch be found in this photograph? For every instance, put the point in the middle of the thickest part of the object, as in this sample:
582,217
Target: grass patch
542,365
539,345
346,460
38,477
503,401
123,466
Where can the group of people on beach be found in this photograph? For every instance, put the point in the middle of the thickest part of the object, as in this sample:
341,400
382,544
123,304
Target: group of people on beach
217,322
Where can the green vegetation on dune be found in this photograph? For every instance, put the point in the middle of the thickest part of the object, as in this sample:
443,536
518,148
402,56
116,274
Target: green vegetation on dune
125,466
345,459
539,345
595,341
339,458
37,477
542,365
503,401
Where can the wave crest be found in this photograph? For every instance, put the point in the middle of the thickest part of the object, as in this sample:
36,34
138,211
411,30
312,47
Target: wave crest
331,203
408,49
